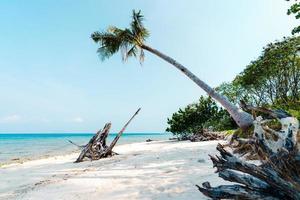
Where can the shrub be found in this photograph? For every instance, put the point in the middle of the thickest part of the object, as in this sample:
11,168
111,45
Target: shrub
194,117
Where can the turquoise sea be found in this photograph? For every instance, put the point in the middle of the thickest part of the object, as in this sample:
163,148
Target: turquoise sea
16,147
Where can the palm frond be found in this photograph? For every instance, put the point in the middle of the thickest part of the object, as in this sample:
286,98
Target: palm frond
128,41
137,27
132,52
142,56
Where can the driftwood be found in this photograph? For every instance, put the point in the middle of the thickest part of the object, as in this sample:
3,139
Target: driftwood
206,135
278,175
97,148
77,145
274,139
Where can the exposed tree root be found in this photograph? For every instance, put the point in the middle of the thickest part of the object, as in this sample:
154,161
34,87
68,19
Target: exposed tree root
97,148
278,175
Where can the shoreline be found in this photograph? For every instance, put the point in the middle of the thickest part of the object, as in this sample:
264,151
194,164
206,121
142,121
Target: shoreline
18,148
16,161
145,170
21,161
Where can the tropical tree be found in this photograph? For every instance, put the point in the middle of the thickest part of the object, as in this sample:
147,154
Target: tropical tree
276,72
131,42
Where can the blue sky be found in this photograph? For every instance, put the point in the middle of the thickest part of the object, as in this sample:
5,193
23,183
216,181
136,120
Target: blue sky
53,81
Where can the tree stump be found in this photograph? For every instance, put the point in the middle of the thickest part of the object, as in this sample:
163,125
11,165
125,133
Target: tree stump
278,175
97,147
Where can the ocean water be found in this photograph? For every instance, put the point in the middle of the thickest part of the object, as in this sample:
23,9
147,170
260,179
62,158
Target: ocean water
16,147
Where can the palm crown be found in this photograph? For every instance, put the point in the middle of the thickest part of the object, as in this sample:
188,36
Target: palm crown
129,40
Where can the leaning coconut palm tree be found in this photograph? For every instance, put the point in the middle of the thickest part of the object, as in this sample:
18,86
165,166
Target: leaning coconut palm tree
131,42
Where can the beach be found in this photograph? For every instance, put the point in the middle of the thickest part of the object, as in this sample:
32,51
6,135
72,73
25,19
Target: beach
160,170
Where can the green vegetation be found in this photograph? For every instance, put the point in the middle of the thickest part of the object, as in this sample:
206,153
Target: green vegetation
295,10
129,41
203,114
272,80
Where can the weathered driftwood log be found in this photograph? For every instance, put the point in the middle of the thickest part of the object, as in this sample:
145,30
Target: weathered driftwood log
278,175
97,148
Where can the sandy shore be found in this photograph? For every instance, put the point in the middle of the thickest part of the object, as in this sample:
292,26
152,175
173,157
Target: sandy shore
155,170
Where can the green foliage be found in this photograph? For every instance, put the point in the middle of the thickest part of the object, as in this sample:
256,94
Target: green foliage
244,133
234,92
220,122
295,10
292,107
203,114
230,132
273,77
295,113
272,80
274,124
128,40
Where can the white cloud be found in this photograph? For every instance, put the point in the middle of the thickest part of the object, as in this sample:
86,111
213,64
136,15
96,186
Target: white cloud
10,118
78,120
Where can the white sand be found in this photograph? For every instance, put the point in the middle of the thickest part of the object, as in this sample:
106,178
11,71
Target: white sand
156,170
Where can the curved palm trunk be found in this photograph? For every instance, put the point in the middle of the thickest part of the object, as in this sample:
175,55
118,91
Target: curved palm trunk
243,119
